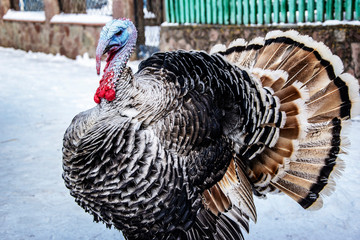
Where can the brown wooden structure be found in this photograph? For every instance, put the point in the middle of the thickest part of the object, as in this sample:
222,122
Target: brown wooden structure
74,38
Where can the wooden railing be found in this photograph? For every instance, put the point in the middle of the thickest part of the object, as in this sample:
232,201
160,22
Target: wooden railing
260,11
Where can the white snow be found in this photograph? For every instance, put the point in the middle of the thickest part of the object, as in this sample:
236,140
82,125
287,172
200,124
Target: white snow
80,18
330,23
31,16
152,36
148,14
41,93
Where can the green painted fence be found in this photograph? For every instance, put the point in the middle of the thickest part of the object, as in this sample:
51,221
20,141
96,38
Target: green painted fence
260,11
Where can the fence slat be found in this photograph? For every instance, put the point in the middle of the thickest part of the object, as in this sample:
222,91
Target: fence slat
283,11
338,9
208,12
310,10
187,11
319,10
239,12
301,11
276,11
172,11
177,10
259,11
349,10
252,11
197,11
192,11
292,11
182,12
260,14
232,11
202,12
357,9
247,12
220,12
226,11
268,11
167,9
214,11
329,10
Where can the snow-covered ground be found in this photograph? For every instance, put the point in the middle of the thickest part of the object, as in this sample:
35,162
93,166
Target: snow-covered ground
40,94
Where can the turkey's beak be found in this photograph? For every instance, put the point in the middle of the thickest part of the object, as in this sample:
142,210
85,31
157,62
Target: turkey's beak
101,49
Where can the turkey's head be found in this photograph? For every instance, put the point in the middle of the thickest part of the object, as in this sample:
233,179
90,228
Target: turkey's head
117,39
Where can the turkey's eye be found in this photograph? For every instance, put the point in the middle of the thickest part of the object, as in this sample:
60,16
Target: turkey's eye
119,33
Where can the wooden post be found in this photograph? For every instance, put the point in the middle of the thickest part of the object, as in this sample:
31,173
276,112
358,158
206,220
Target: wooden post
51,8
124,9
139,21
157,7
14,4
4,7
73,6
133,10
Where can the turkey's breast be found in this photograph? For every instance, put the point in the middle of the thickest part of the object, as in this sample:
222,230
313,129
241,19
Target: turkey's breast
144,159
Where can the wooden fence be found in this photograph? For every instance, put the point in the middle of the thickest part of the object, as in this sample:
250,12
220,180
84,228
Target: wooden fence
260,11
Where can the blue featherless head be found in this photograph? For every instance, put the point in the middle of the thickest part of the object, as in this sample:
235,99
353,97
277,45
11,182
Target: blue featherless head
117,37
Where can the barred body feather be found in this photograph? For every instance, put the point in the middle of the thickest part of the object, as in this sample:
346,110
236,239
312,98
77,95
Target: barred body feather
183,144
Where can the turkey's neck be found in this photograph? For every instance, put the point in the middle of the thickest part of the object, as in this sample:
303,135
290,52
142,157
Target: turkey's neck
116,62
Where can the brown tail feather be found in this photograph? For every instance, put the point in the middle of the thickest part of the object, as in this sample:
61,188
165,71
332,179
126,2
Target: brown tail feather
316,98
232,192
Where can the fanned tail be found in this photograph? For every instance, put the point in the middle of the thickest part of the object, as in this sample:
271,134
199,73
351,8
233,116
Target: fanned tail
317,99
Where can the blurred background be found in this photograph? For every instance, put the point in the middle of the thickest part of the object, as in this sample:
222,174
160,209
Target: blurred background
72,27
47,76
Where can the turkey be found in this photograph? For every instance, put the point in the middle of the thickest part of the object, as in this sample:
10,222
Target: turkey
178,149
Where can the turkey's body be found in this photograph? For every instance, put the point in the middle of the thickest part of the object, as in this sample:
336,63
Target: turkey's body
164,148
186,140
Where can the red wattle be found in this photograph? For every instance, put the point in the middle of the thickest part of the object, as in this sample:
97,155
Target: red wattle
96,99
106,89
110,95
101,93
